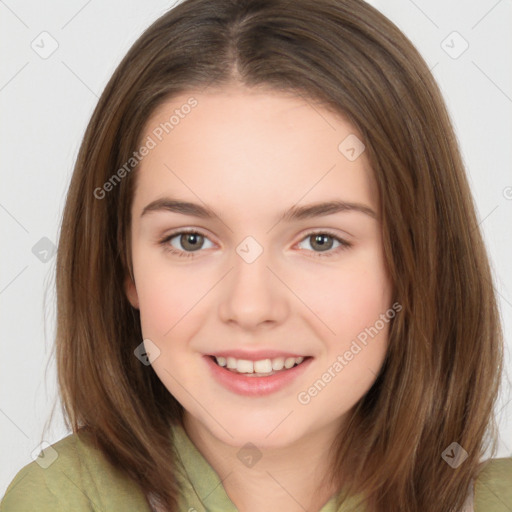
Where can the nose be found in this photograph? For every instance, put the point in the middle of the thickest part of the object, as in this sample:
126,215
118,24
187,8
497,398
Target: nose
252,295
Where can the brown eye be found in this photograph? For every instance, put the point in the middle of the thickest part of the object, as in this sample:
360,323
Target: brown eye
184,243
191,241
322,243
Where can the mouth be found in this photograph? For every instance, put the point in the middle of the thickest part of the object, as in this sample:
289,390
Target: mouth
259,368
259,374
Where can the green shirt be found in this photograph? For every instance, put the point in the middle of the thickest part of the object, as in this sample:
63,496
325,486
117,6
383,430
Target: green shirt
81,479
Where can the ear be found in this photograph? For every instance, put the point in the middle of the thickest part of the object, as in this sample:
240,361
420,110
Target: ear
131,292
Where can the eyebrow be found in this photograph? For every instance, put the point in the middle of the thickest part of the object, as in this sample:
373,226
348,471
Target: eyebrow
294,213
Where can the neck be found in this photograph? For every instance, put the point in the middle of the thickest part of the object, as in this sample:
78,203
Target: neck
291,477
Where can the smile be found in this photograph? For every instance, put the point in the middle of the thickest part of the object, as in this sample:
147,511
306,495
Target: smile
262,367
258,377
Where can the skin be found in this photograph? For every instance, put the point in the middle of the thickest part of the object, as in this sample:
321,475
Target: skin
249,155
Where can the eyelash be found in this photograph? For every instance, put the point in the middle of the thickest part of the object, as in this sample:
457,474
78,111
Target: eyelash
344,245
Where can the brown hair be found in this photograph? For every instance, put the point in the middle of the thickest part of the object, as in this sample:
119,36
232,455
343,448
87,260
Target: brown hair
441,376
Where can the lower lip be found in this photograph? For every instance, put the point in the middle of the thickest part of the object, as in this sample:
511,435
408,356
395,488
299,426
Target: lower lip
255,386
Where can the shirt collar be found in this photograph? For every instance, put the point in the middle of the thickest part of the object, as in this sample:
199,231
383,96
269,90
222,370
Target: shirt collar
201,486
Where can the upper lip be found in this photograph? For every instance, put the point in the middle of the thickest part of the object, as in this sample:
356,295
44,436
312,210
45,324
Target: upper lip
256,355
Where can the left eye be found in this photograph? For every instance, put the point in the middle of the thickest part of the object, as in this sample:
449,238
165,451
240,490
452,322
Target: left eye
193,241
325,241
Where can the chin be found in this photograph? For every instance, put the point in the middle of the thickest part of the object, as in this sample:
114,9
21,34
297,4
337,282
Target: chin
262,431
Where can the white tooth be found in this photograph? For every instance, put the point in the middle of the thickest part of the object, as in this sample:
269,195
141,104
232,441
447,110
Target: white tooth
289,362
263,366
244,366
278,363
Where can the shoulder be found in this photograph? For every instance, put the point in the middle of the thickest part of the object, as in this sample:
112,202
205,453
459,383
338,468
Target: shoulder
493,486
72,474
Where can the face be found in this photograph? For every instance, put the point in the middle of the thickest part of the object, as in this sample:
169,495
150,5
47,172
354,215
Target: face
263,276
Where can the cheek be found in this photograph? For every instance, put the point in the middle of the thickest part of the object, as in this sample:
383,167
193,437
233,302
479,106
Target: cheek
165,293
350,297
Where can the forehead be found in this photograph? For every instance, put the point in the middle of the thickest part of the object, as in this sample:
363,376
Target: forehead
250,145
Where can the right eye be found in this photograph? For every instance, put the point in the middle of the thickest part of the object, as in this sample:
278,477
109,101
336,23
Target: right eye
190,240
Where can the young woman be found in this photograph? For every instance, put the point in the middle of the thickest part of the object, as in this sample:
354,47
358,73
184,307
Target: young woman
273,293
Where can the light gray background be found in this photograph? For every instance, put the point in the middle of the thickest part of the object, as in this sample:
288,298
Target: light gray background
45,106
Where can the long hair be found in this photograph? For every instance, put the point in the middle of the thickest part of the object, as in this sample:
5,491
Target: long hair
440,378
